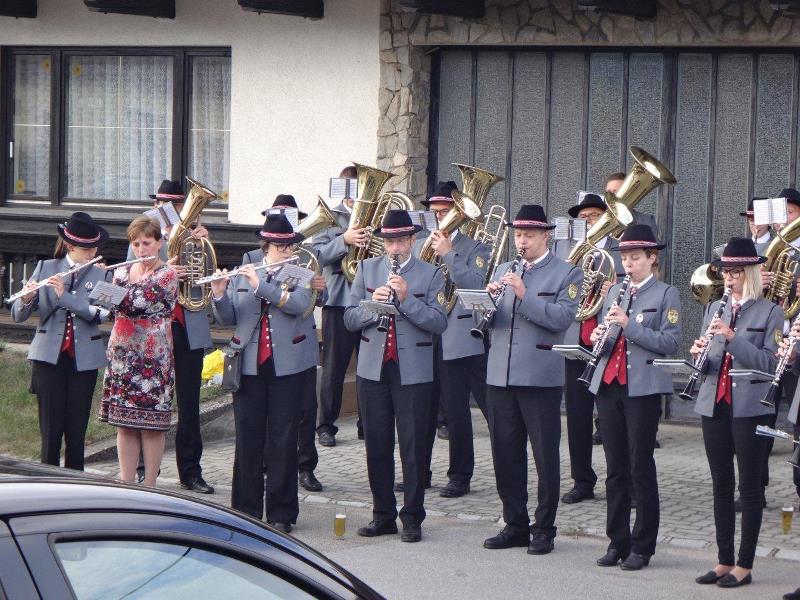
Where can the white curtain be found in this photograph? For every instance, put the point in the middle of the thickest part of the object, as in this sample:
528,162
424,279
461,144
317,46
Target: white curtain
31,162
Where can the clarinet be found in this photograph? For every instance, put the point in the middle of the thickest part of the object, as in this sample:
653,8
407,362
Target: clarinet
702,358
783,364
383,321
479,331
600,344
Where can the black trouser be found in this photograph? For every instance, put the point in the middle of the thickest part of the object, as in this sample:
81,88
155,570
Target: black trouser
579,403
188,369
724,438
386,404
267,406
433,421
628,426
338,344
307,457
457,378
515,415
64,396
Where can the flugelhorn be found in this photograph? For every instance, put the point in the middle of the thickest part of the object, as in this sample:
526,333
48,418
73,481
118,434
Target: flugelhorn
41,284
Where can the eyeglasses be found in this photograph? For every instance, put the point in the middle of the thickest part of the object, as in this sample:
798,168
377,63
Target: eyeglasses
734,273
440,212
285,247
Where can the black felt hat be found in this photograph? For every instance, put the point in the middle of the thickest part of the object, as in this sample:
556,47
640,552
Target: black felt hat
286,201
397,223
639,237
749,211
588,201
530,216
82,231
791,195
169,191
739,252
278,230
443,192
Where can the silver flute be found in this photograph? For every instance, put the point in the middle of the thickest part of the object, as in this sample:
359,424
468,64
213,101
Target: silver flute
41,284
238,270
129,262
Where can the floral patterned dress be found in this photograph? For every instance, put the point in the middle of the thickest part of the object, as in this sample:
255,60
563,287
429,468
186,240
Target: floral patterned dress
137,387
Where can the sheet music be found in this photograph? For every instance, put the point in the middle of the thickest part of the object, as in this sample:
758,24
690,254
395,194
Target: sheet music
379,308
294,276
290,213
573,352
425,219
480,300
562,230
165,214
579,229
675,366
753,375
108,294
569,229
769,211
340,188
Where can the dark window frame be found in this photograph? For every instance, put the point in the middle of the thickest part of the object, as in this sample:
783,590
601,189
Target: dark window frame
59,59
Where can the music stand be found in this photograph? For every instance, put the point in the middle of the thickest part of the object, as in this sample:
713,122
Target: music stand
573,352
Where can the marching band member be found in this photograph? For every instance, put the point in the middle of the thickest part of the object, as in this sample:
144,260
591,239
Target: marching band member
746,336
395,371
794,418
579,402
138,383
307,456
628,392
277,350
68,347
461,358
525,379
338,343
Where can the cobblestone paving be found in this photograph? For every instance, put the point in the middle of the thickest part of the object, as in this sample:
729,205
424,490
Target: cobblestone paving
684,482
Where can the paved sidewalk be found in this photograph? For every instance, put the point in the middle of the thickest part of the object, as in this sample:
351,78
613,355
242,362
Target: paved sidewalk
684,481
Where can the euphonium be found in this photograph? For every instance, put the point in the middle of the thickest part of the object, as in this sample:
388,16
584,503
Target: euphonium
197,255
370,182
476,186
780,261
320,219
463,210
597,264
646,175
494,233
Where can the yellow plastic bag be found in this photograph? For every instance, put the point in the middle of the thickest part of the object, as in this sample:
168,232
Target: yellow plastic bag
212,365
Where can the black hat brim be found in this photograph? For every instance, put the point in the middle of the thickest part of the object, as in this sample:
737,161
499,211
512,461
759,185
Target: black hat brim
510,225
392,234
644,247
300,214
427,203
103,237
719,264
574,210
298,237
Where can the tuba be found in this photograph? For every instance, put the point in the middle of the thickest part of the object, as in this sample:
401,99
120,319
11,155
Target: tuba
370,182
477,183
197,255
597,264
782,261
646,175
706,284
494,233
320,219
387,202
464,210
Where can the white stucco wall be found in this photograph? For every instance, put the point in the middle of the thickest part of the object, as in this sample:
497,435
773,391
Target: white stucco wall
304,93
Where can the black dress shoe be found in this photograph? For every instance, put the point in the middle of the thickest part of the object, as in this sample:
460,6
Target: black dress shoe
442,432
411,533
635,562
327,439
309,482
455,489
508,538
708,578
729,580
376,528
284,527
197,484
541,543
575,495
140,477
795,595
611,558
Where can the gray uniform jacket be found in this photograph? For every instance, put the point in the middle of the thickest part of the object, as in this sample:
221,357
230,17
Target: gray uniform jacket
761,247
562,248
198,322
330,248
90,345
421,317
759,330
653,331
523,332
294,347
466,263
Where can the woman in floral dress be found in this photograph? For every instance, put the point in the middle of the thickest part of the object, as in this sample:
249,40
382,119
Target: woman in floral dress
137,388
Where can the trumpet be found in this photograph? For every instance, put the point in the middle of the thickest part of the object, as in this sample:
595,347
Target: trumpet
599,346
702,358
783,364
128,262
41,284
479,331
383,321
794,459
238,270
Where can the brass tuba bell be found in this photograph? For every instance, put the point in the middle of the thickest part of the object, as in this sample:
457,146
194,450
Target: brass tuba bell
320,219
477,183
646,175
782,261
706,284
197,255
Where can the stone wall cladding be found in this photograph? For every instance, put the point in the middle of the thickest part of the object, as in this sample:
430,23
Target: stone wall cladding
405,37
